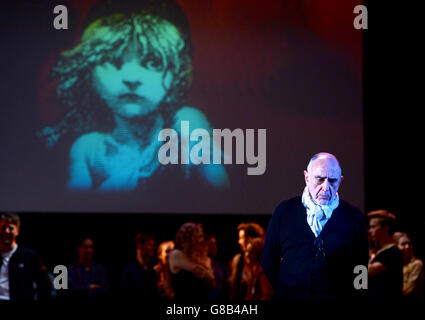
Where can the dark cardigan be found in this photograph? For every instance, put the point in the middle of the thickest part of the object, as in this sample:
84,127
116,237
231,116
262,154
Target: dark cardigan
301,266
28,278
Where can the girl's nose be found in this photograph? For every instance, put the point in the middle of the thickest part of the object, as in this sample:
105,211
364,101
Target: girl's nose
132,85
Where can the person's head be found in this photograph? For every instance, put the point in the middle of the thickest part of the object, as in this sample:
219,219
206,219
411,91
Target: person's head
9,230
134,59
85,250
246,231
323,177
211,241
190,240
404,244
382,225
145,247
254,251
163,250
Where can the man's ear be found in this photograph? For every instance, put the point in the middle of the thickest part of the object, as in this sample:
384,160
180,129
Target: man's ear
340,180
306,177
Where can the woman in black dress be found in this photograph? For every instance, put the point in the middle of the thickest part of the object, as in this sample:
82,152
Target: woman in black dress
192,276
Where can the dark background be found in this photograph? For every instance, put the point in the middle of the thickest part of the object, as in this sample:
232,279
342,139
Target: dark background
392,158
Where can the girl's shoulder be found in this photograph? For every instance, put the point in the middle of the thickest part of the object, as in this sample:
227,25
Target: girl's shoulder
90,142
196,118
91,138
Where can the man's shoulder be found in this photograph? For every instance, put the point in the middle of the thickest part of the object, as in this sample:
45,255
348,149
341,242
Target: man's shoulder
352,210
289,205
390,255
24,253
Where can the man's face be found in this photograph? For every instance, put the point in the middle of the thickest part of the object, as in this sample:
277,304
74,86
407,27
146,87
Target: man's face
148,248
86,250
8,233
323,179
376,231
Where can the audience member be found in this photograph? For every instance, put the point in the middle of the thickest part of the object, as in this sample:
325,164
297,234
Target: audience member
238,269
22,274
163,271
386,267
87,279
139,280
413,268
192,276
259,287
220,272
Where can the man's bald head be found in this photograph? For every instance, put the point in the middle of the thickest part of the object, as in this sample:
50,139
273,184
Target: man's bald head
323,155
323,177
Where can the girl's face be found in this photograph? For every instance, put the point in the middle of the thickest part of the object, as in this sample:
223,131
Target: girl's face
405,246
133,86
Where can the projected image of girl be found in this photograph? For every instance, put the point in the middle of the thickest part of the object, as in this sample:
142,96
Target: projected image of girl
123,83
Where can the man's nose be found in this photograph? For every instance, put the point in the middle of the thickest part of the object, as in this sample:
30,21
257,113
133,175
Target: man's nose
326,185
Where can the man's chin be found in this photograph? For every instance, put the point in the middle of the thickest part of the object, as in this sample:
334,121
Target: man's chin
324,202
6,244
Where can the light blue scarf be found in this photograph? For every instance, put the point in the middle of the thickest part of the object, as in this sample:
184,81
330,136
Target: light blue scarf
317,214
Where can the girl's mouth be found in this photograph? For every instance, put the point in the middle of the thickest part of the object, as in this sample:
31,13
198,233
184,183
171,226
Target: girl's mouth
130,97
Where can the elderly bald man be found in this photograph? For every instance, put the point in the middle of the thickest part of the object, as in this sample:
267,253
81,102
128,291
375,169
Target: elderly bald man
314,241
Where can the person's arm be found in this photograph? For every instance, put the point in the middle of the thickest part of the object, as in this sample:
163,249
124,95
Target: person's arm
41,278
271,252
359,255
79,172
266,288
214,174
126,284
102,281
209,275
411,283
232,277
179,261
375,268
75,283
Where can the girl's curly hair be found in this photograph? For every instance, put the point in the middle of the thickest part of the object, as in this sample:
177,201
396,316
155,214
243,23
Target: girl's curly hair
105,40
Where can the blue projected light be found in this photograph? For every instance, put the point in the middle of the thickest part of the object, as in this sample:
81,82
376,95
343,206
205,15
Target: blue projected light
123,83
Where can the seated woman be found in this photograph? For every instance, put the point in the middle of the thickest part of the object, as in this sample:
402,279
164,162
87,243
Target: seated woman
192,276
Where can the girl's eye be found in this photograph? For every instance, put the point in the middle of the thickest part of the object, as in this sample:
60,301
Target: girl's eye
153,62
117,62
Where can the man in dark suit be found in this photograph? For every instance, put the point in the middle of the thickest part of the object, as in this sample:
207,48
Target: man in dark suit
314,241
22,275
